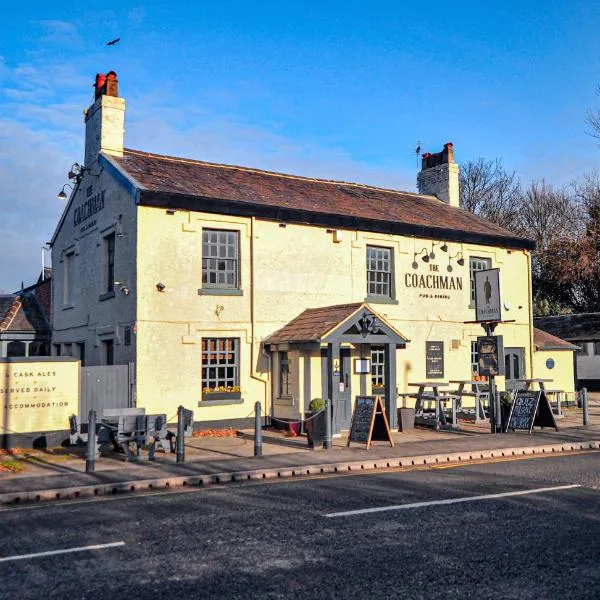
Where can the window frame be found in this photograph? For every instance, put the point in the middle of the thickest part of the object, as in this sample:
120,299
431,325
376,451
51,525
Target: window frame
108,351
210,384
68,279
377,367
486,263
284,382
109,251
390,297
220,287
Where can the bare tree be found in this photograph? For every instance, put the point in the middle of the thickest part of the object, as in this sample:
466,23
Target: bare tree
593,120
489,191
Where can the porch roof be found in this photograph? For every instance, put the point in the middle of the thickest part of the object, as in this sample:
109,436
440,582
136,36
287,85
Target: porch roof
314,324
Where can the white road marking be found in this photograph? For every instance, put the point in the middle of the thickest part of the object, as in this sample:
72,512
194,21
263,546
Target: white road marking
64,551
363,511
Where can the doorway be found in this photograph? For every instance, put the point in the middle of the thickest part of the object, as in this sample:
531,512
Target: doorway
514,365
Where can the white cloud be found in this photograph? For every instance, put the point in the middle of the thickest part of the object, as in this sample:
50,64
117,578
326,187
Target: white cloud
61,32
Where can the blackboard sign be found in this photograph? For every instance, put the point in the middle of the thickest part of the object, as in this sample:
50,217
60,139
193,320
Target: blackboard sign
369,421
434,360
530,409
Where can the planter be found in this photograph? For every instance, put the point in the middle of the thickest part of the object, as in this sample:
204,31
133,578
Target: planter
406,419
222,396
315,429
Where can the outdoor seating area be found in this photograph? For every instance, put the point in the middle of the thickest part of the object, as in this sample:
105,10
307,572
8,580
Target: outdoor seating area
120,429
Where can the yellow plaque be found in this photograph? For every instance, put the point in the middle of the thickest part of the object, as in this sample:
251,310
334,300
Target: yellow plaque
38,396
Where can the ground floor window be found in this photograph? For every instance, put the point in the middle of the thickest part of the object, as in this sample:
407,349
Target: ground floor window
474,359
377,368
15,349
284,375
108,352
220,366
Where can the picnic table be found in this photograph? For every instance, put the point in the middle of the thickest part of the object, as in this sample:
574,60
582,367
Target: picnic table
429,391
126,426
479,391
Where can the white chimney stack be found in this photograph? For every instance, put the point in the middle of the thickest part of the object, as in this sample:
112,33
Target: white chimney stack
439,176
105,119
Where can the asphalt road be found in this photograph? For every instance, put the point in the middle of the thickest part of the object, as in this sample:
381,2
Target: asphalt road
275,540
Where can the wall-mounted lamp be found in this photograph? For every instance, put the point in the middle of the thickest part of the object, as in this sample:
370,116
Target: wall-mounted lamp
460,261
124,289
424,258
160,286
443,248
77,171
62,194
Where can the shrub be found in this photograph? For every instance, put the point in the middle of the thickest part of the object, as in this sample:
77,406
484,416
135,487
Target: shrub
316,404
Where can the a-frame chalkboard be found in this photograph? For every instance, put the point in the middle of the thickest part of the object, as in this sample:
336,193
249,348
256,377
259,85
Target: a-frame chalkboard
530,409
369,421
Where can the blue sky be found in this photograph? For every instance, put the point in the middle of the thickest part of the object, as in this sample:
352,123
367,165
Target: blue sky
341,90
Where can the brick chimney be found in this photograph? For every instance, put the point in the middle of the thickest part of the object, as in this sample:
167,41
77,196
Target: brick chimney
439,175
105,119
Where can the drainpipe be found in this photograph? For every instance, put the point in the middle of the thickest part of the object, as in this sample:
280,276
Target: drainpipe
253,373
530,293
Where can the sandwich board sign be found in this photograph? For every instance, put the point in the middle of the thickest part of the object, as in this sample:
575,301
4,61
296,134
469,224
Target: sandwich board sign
530,409
487,295
369,421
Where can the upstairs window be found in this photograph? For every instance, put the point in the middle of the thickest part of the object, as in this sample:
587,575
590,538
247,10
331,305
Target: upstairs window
108,276
68,279
380,273
477,264
220,259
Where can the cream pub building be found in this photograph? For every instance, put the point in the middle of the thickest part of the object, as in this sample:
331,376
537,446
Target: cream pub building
227,285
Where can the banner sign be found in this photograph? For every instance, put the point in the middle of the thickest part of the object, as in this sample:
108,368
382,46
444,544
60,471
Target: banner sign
487,295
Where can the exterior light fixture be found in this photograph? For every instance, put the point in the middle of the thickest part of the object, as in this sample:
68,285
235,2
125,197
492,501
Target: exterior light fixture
443,248
160,286
424,258
460,261
62,195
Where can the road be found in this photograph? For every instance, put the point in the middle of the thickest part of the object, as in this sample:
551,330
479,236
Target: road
276,540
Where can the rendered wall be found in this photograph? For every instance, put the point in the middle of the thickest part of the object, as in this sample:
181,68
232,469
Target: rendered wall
562,373
297,267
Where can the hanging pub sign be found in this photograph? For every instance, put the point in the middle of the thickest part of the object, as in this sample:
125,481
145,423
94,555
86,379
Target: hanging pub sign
530,409
490,355
487,295
434,360
369,421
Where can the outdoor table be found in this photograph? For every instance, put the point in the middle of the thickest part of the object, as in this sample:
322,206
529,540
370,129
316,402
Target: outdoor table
479,395
558,395
435,395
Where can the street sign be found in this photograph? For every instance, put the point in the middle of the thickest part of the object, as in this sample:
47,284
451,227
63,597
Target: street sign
490,355
369,421
487,295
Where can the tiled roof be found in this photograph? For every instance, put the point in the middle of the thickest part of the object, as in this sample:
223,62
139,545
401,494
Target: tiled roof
21,313
313,324
581,327
546,341
172,180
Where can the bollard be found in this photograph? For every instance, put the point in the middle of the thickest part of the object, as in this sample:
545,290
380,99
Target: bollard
90,454
180,447
584,403
257,430
327,442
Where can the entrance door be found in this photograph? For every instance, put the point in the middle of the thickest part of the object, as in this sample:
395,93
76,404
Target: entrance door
344,408
514,364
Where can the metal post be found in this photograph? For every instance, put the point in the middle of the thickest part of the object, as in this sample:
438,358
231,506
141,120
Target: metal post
584,404
257,430
180,447
90,454
327,442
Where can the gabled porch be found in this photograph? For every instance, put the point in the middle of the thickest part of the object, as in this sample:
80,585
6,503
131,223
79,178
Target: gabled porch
334,352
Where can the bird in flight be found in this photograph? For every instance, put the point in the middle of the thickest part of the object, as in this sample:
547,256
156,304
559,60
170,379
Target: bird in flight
113,42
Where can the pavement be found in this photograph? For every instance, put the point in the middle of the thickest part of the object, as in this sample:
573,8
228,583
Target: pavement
60,473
